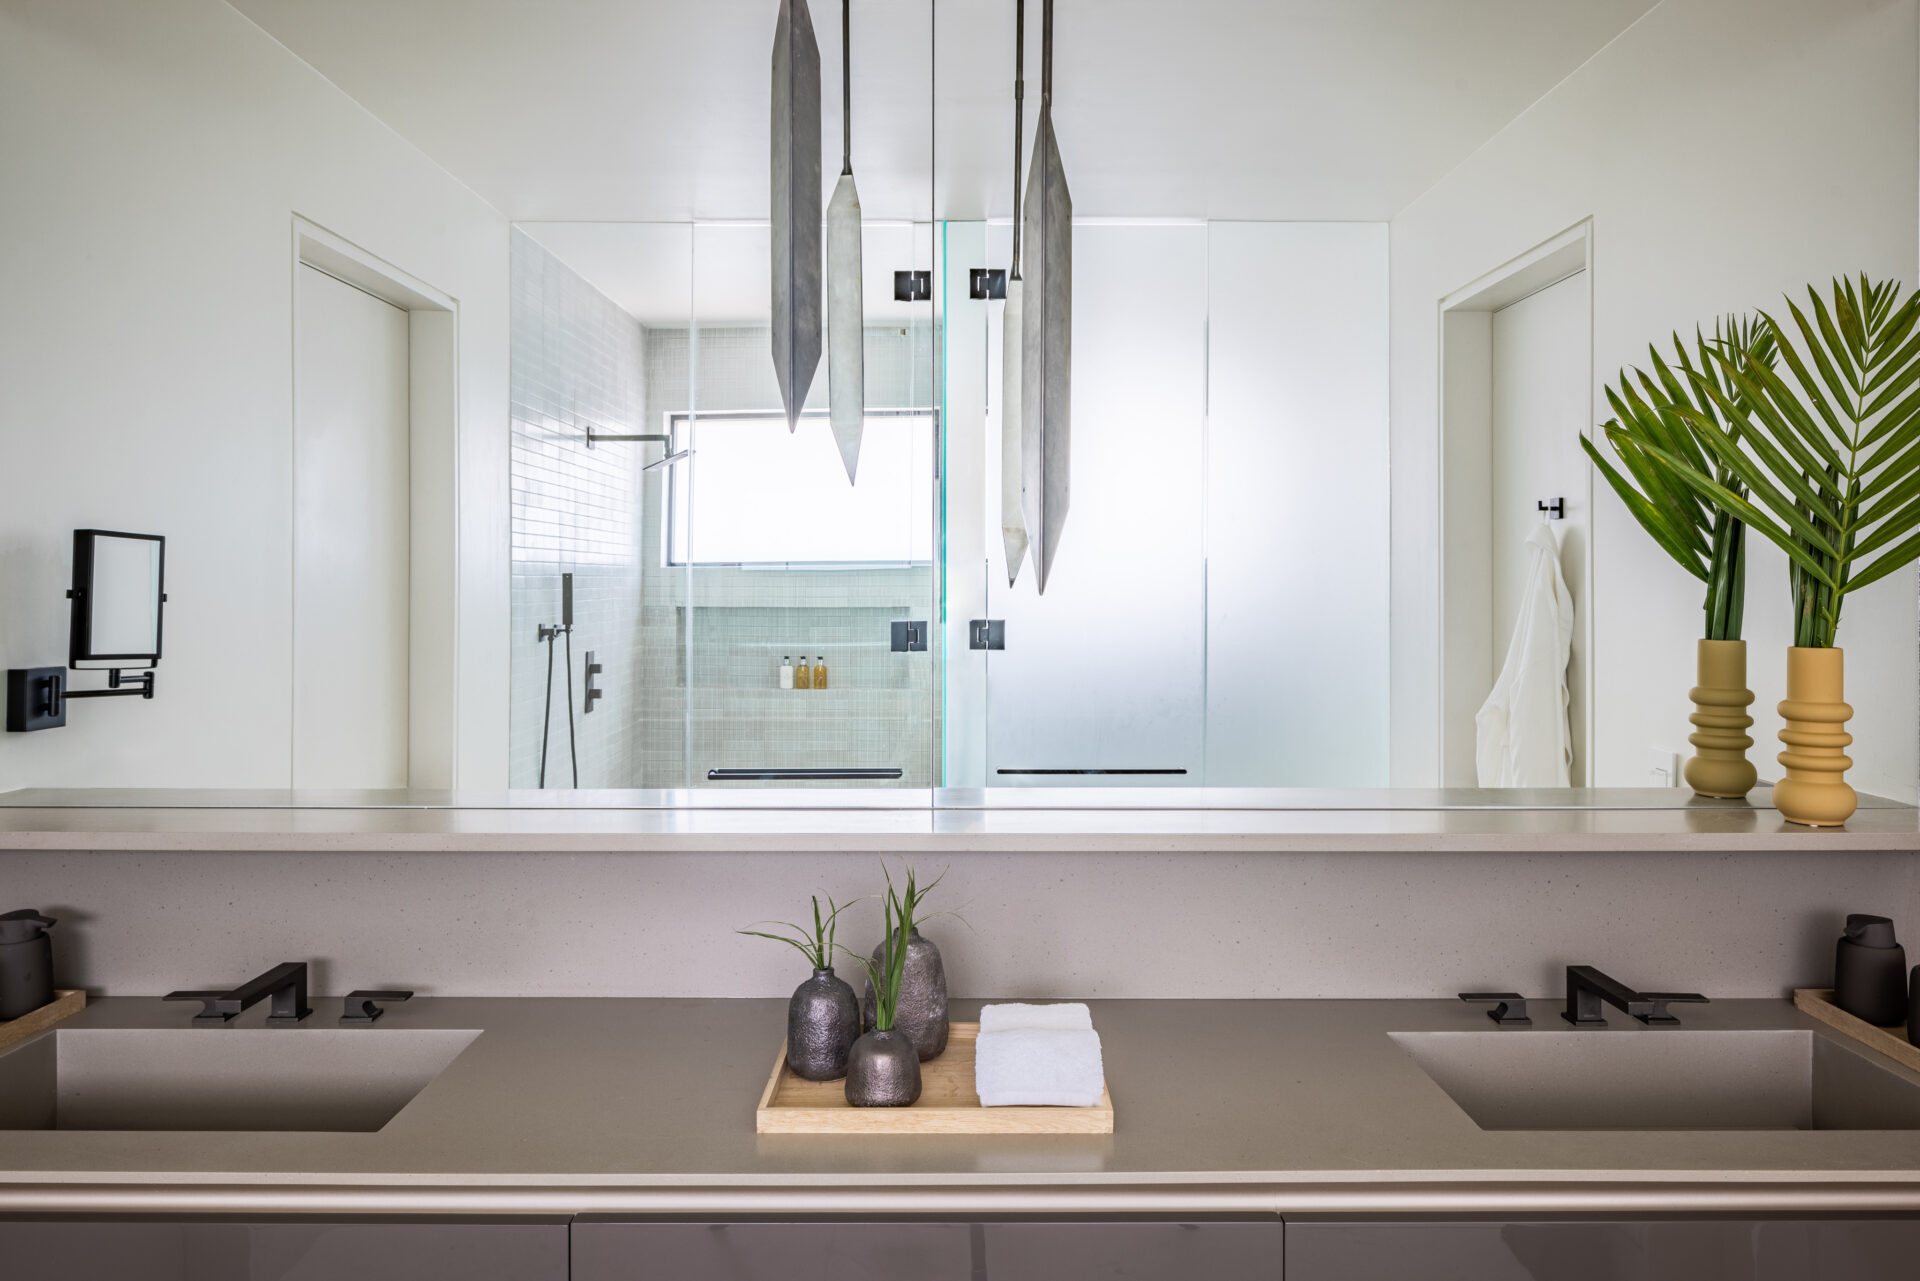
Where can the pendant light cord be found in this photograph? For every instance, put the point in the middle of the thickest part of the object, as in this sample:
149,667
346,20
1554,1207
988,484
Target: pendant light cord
846,86
1046,58
1019,120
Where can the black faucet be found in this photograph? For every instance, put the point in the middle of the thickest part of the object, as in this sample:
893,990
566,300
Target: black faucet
286,983
1588,987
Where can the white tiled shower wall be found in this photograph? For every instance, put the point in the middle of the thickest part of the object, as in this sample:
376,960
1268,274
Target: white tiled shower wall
576,360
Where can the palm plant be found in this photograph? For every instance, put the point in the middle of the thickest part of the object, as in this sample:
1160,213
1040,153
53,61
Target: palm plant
817,944
1830,460
1707,541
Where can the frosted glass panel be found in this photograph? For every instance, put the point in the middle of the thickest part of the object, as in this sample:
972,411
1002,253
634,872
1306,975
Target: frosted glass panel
1217,614
1297,506
1106,671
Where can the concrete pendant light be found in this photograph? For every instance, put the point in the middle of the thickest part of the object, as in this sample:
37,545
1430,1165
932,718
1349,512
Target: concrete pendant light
846,357
1013,526
796,326
1047,325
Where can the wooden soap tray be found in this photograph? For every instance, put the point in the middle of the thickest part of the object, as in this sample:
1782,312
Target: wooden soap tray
1890,1041
947,1104
65,1001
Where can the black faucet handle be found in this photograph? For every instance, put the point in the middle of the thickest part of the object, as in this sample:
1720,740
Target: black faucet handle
210,1002
1510,1008
1658,1002
362,1007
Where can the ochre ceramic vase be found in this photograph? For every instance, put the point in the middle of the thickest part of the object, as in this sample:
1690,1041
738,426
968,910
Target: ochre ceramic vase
1719,765
1814,792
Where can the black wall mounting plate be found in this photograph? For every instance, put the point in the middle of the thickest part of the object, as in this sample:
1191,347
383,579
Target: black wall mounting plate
36,698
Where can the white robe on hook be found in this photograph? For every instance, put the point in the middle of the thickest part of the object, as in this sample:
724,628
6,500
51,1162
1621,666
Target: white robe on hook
1523,739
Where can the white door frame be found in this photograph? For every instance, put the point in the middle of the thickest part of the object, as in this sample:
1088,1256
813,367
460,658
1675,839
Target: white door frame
1468,648
433,322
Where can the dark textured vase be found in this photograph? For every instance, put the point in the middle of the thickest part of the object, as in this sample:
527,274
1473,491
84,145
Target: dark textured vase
823,1021
883,1071
922,1013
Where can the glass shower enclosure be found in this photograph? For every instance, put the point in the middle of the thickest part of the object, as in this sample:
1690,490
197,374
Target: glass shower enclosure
702,600
755,619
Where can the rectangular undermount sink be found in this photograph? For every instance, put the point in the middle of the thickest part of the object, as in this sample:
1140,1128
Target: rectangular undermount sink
220,1078
1663,1079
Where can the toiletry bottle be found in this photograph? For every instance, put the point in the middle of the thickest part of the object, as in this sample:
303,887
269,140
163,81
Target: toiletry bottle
803,675
1870,971
26,963
820,673
786,672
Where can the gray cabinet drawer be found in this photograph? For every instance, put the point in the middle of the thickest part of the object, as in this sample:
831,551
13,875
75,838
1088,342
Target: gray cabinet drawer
1024,1250
1567,1250
1121,1251
628,1250
191,1249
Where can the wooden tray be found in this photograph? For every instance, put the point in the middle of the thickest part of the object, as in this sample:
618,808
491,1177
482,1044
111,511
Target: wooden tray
1890,1041
65,1001
947,1103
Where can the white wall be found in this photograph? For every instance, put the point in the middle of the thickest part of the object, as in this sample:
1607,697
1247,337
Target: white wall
1821,95
153,157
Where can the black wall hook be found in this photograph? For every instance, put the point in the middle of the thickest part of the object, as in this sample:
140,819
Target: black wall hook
1557,511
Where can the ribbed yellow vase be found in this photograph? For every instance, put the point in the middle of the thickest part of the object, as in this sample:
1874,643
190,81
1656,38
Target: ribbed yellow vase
1814,791
1719,765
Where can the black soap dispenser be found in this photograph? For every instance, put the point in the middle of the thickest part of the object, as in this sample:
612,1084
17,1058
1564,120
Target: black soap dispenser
26,963
1870,971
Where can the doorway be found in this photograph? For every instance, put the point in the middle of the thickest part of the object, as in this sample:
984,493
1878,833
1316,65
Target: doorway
1516,365
350,536
374,649
1540,363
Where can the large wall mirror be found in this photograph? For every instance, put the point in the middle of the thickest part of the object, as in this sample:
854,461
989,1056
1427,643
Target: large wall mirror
478,470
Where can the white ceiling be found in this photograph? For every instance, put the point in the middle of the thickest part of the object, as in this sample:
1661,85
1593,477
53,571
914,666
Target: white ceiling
657,110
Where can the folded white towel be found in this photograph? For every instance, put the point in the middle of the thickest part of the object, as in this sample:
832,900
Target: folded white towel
1072,1014
1038,1066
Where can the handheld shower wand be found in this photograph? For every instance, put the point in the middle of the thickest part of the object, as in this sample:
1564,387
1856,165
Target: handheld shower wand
547,637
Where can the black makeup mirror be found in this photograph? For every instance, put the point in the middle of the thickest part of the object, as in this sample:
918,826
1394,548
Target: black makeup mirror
118,593
119,589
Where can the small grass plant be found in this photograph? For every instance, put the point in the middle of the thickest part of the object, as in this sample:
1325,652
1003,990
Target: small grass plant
900,911
816,944
886,976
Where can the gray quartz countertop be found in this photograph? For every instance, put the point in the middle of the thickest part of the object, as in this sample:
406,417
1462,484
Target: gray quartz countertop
604,1105
1156,820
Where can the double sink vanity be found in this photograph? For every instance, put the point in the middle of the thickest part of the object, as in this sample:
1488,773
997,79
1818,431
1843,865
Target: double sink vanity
1295,1122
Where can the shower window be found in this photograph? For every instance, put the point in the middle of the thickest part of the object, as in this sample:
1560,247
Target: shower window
753,494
